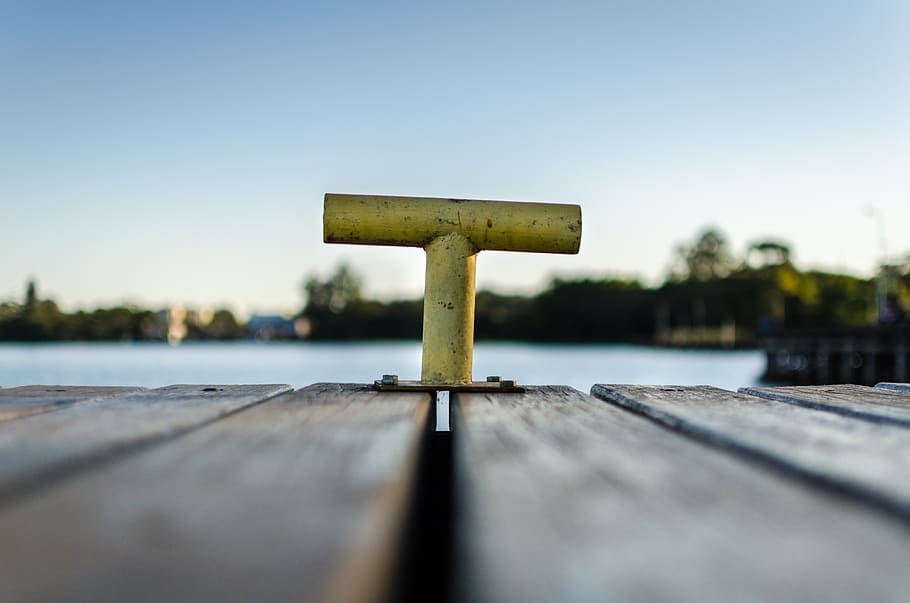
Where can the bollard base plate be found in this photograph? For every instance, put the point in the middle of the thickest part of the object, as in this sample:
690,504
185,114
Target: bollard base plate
504,386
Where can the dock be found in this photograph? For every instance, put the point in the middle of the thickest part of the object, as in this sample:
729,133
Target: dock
861,355
448,489
340,492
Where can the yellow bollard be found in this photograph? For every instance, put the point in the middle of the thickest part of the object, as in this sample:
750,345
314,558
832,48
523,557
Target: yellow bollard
452,231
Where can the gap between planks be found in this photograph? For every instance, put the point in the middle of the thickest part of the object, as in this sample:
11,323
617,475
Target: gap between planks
40,449
867,461
875,404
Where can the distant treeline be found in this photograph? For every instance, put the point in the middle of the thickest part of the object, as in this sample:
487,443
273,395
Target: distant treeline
42,320
611,310
709,298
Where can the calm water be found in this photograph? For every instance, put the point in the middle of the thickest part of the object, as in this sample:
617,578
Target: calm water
299,364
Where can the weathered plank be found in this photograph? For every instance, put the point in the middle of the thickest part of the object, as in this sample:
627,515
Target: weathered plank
875,404
898,387
299,498
566,498
860,458
37,449
29,400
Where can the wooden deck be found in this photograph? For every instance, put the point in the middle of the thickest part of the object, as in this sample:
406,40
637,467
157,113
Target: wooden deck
336,492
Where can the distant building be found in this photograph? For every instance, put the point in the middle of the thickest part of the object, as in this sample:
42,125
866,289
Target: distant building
266,327
176,329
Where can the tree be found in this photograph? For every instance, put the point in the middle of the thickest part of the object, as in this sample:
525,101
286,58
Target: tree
31,296
334,294
706,259
224,325
769,253
37,320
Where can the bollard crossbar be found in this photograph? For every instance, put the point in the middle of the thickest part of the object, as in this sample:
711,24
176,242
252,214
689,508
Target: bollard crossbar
452,232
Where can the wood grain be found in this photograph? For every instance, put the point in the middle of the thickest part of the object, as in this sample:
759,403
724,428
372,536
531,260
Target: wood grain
566,498
17,402
297,499
860,458
38,449
874,404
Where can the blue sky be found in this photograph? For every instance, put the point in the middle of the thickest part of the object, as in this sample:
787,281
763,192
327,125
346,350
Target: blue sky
164,152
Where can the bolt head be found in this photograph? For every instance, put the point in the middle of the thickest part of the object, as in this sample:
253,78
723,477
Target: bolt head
494,379
390,379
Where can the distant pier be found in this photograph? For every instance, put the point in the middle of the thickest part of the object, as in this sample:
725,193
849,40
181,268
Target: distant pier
860,355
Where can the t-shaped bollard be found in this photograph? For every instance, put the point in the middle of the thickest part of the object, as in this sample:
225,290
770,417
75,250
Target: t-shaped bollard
452,231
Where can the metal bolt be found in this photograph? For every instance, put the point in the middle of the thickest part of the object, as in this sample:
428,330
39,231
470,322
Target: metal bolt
507,383
390,379
494,379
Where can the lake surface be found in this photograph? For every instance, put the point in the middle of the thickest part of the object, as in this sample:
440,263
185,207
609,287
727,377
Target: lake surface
300,364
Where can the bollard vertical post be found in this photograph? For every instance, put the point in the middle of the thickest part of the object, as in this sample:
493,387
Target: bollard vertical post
448,310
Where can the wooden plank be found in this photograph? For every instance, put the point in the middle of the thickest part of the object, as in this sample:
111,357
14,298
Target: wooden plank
29,400
566,498
40,448
898,387
874,404
863,459
299,498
